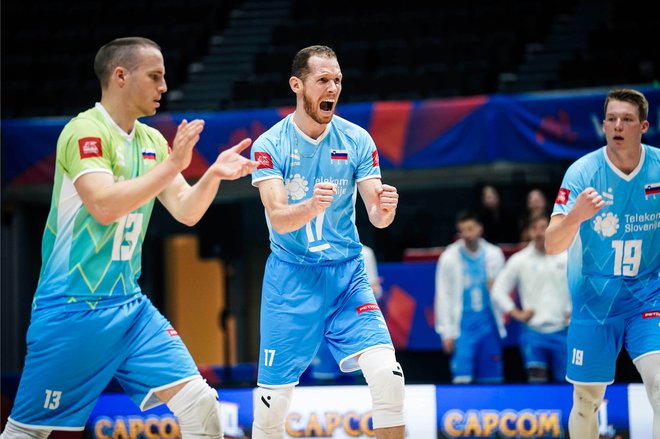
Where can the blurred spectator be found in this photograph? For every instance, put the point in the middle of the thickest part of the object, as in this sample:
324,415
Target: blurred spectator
536,204
545,303
499,224
469,324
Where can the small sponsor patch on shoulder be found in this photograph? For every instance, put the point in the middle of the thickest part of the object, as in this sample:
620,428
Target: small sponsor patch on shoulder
264,159
562,196
90,147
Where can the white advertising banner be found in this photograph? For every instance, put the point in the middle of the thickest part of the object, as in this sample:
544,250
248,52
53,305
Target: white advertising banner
345,412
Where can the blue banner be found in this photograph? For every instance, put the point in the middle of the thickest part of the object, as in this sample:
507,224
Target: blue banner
525,128
116,416
515,411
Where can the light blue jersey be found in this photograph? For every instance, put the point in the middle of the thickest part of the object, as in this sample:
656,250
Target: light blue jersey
614,261
344,154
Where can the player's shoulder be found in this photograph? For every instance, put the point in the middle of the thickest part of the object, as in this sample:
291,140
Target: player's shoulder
273,134
589,163
451,251
349,128
87,120
521,255
652,152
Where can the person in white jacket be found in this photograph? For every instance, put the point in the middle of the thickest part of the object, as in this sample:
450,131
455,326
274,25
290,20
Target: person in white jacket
545,303
470,325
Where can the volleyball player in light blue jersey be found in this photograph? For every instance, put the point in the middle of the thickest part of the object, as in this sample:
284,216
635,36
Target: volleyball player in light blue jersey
607,214
470,325
90,321
312,165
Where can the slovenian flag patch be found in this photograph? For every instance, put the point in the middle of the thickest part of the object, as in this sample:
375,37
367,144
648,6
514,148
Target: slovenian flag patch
339,154
149,154
651,189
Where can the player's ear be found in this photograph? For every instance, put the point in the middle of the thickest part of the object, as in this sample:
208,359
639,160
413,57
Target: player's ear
296,84
119,75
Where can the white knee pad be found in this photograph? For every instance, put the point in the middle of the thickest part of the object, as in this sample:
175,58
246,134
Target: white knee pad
387,385
587,399
14,430
270,409
198,408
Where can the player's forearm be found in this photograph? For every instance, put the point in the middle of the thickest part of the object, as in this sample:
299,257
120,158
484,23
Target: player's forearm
560,234
381,219
291,217
113,201
193,201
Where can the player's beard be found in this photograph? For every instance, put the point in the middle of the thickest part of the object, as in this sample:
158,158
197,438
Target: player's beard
312,111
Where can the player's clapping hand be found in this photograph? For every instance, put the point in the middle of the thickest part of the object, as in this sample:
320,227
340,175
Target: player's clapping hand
587,204
231,165
388,198
323,195
187,136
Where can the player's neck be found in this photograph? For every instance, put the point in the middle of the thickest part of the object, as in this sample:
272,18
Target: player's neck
625,159
308,125
119,113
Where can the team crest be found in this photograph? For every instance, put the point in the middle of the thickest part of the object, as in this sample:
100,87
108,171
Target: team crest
606,224
296,187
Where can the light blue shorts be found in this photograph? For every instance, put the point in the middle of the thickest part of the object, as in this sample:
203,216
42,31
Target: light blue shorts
545,350
593,348
478,357
301,304
72,356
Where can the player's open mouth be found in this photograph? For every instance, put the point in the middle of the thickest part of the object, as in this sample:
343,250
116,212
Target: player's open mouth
327,105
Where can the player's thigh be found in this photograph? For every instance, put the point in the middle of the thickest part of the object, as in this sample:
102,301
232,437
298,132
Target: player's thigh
354,322
532,348
157,358
643,333
71,357
292,321
462,362
592,350
489,358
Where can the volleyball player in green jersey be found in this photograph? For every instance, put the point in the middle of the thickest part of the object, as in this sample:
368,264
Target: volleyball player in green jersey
90,321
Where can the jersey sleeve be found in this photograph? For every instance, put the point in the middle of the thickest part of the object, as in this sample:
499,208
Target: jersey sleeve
264,151
571,186
368,165
83,148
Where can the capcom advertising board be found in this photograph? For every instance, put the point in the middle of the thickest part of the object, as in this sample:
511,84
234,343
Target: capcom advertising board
451,411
